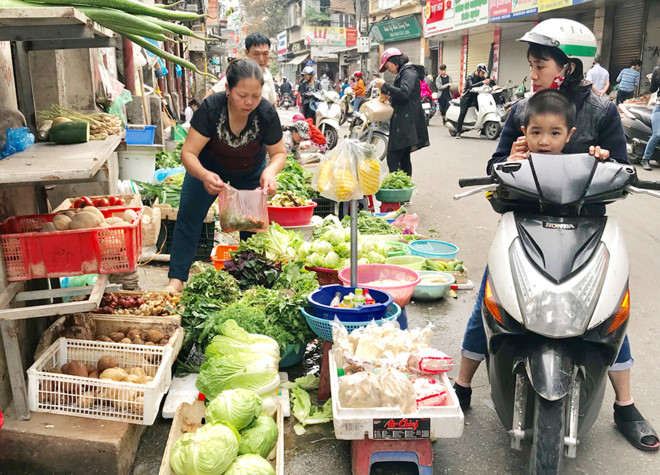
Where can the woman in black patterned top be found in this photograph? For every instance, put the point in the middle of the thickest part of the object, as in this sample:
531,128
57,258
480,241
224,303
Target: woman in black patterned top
229,137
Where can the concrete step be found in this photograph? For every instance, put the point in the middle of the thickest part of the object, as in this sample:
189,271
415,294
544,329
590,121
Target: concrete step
52,443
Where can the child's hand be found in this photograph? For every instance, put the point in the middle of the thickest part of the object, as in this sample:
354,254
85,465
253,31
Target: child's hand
518,156
519,146
599,153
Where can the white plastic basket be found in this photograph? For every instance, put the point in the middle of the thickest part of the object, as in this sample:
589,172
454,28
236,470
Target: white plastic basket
357,423
97,398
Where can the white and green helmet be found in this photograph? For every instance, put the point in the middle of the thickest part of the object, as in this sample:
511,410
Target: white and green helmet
574,39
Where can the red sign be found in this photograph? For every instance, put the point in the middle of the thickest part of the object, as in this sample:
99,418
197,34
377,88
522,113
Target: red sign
499,7
351,36
435,9
212,18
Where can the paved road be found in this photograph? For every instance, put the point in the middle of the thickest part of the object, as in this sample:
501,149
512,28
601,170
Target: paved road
470,223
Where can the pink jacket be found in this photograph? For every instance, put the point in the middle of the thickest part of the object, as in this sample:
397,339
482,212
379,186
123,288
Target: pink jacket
425,90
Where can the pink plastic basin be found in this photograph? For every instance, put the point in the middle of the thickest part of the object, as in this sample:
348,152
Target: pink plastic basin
368,273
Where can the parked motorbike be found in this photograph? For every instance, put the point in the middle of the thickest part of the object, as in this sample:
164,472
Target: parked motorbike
429,108
328,113
557,303
346,104
375,133
486,119
636,121
286,101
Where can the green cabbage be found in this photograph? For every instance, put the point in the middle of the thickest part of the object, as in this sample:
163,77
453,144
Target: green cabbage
332,260
344,249
255,371
375,258
259,437
316,259
234,340
235,407
209,451
308,382
322,246
250,464
332,236
269,407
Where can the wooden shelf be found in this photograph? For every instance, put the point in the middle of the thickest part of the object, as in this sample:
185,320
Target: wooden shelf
45,162
50,27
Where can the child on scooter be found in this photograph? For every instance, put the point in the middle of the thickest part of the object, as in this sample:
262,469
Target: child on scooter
549,124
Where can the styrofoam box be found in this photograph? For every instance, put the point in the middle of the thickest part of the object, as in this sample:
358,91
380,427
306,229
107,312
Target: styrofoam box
357,423
98,398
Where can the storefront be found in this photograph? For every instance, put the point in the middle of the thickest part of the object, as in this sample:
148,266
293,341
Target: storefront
451,57
479,46
403,33
628,36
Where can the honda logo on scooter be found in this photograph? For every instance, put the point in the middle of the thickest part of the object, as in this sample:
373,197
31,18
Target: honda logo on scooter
559,225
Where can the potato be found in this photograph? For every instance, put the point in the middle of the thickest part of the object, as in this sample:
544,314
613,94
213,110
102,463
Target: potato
131,378
68,213
48,228
152,335
107,396
115,220
84,220
61,222
133,333
126,340
138,373
105,338
75,368
129,216
93,374
87,399
117,336
105,362
151,343
93,210
90,368
138,341
137,405
164,341
114,374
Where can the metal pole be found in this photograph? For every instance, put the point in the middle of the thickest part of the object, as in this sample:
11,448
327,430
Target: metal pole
354,242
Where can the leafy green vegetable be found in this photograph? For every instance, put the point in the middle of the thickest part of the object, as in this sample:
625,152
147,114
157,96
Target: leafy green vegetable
251,269
277,244
250,464
254,371
302,409
308,382
236,408
166,193
165,159
397,180
370,224
235,340
208,451
259,437
296,179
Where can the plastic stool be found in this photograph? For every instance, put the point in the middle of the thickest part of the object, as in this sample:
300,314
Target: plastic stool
324,377
367,452
403,319
372,207
389,207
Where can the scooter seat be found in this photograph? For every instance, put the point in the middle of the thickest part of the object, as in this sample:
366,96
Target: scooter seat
456,102
642,113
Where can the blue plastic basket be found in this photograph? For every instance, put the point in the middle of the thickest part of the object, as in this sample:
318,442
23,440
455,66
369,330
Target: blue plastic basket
433,249
320,299
323,327
140,134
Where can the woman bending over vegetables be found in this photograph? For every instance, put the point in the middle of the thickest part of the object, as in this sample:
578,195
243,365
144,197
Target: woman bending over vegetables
227,142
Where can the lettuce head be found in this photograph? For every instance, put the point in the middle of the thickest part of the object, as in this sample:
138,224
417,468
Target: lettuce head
209,451
234,340
259,437
236,408
250,464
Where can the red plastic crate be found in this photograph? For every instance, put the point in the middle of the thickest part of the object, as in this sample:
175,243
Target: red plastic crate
30,254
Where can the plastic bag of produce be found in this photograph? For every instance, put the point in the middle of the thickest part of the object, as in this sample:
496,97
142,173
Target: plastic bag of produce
243,210
359,390
430,392
396,390
429,361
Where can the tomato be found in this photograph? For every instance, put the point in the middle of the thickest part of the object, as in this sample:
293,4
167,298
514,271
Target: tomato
82,202
100,202
116,201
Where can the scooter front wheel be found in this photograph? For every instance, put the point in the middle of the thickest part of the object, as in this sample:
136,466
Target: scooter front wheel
548,444
331,136
492,130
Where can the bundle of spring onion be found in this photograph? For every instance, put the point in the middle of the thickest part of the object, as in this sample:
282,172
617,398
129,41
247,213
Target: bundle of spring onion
100,124
136,21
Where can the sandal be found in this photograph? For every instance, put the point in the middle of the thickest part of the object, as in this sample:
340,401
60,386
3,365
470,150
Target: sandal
636,431
170,289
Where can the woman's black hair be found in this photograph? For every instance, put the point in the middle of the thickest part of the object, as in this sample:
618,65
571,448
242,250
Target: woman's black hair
243,69
573,79
550,101
399,60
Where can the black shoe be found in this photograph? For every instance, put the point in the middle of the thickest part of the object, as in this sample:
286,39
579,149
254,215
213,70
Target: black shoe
458,136
635,428
464,396
646,165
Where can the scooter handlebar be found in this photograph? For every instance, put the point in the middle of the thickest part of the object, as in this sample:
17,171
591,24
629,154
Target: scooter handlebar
475,181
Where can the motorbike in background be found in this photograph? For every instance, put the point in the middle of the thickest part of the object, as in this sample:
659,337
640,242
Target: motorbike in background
346,104
429,107
286,101
637,127
486,119
328,113
556,302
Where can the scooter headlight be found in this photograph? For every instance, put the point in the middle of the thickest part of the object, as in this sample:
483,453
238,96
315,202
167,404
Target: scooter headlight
557,310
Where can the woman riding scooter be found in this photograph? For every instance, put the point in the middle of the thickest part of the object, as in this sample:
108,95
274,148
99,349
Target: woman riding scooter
558,50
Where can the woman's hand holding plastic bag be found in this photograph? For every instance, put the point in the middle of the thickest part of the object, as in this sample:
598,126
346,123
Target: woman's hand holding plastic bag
243,210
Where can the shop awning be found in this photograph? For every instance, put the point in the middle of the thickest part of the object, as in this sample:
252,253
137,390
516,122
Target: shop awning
299,59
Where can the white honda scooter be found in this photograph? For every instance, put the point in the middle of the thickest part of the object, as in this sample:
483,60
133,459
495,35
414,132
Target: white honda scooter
486,119
328,113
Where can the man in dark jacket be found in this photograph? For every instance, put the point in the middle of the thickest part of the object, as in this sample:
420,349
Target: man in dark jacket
308,87
285,87
469,98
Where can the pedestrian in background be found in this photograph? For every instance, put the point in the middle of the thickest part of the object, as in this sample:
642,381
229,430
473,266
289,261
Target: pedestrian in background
308,87
359,89
655,120
443,83
193,105
599,77
431,83
370,87
344,87
408,130
628,81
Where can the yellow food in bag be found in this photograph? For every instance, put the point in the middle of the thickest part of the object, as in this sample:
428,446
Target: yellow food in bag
369,175
325,175
345,184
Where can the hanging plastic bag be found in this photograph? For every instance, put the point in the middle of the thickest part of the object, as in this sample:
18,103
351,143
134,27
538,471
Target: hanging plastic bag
243,210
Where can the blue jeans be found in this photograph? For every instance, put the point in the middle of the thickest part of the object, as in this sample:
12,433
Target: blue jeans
653,141
195,203
357,102
475,348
